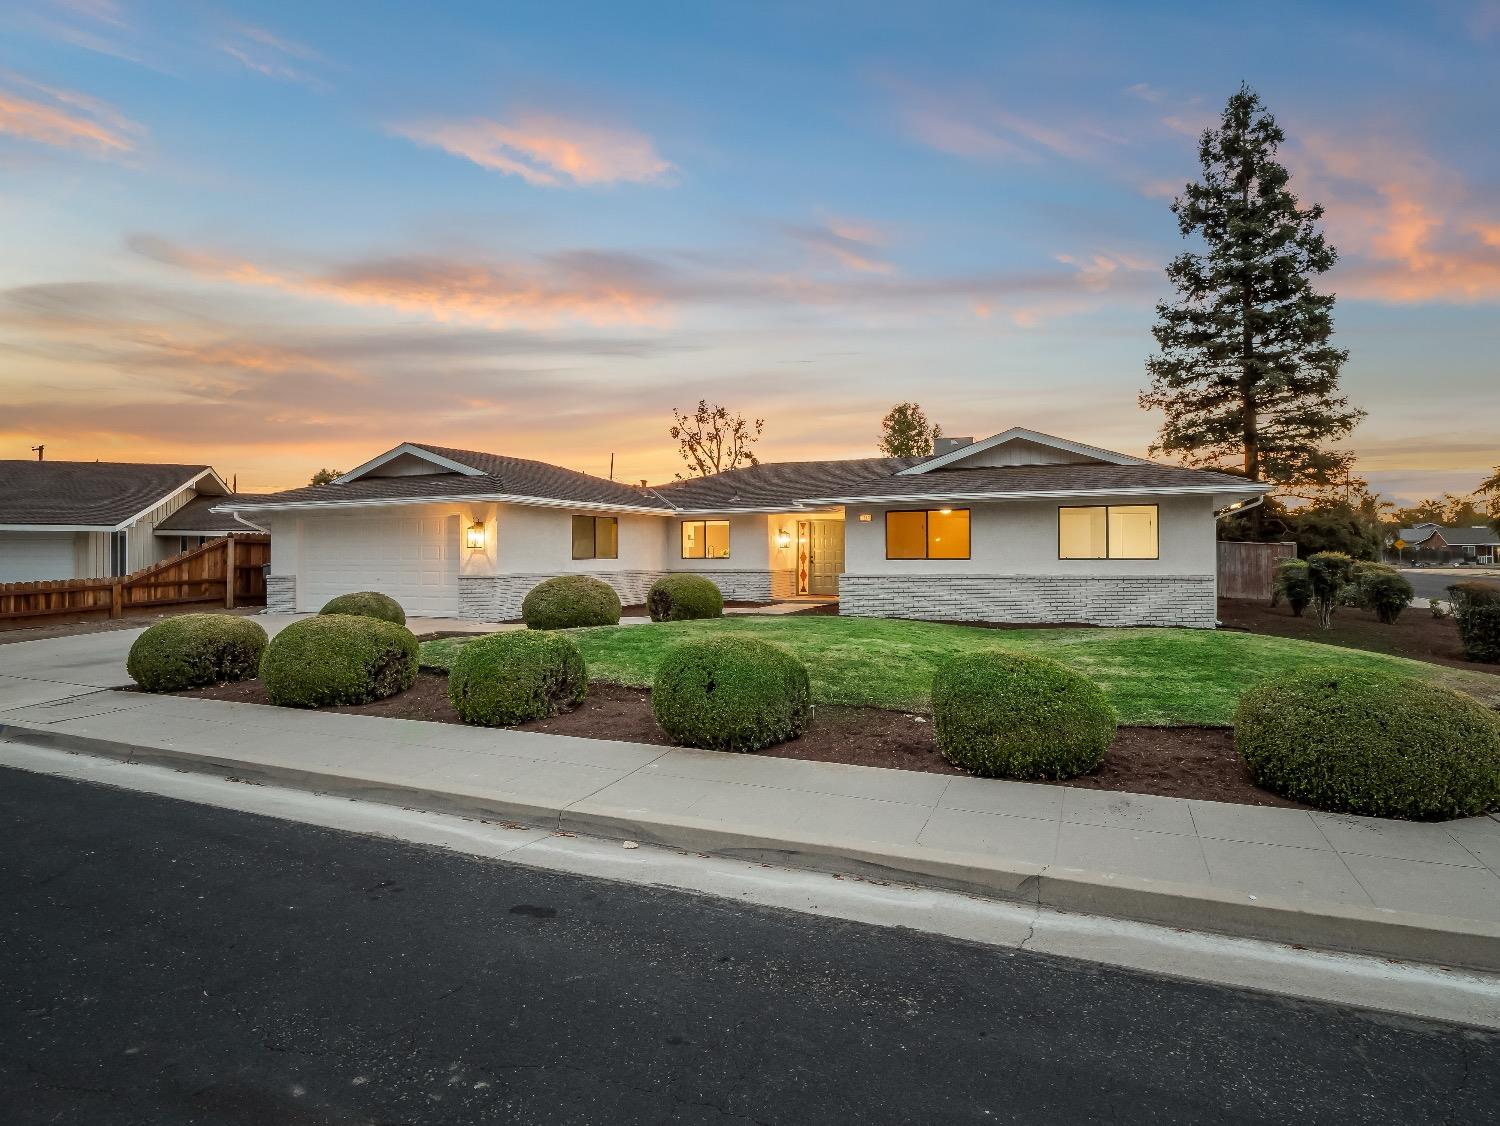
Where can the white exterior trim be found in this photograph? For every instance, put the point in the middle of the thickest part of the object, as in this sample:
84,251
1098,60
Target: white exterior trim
1048,494
405,449
462,499
1020,432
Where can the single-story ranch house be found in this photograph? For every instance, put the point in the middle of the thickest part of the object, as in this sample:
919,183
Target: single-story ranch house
96,519
1019,527
1434,543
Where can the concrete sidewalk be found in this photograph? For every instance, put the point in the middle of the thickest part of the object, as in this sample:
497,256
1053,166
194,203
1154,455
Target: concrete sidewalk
1421,891
1429,892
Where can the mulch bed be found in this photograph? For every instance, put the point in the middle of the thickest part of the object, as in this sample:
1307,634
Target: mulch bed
1416,634
1178,762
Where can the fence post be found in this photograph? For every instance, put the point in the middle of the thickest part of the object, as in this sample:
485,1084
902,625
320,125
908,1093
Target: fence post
117,599
229,573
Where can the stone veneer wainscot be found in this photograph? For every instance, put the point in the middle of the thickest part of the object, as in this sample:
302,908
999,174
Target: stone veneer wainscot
1126,600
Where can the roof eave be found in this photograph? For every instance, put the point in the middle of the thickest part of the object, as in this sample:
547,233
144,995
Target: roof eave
1046,494
462,498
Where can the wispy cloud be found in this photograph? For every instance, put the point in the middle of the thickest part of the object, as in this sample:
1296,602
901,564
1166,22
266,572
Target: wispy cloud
64,119
595,289
273,56
1410,228
976,126
545,150
853,245
602,288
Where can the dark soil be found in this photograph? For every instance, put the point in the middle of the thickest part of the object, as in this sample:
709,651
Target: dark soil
1416,634
1179,762
98,621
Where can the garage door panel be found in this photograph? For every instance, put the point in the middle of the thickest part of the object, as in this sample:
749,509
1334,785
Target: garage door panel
27,557
412,559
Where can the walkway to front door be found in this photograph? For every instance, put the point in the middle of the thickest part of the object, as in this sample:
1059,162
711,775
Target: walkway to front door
820,557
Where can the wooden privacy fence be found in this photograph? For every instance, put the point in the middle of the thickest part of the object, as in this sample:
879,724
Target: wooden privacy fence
1247,570
226,572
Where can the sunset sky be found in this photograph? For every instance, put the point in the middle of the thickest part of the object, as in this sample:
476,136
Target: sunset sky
274,237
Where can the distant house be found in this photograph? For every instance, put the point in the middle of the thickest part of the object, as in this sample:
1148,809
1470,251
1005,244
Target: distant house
1434,543
1021,526
93,519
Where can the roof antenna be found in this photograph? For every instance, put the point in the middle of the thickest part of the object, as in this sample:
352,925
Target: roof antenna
611,466
38,450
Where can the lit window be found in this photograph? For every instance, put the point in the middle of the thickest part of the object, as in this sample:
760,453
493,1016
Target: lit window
705,539
1126,531
928,534
596,537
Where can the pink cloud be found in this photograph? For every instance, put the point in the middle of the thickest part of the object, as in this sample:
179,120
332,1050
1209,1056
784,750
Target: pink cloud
593,290
64,119
545,151
1409,228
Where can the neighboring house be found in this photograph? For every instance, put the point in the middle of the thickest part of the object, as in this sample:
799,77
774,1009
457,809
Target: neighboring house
1020,527
1434,543
93,519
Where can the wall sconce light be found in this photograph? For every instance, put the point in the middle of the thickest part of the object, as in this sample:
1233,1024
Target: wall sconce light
783,539
945,511
474,536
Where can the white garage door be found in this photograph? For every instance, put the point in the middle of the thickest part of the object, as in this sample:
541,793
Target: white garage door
414,559
27,557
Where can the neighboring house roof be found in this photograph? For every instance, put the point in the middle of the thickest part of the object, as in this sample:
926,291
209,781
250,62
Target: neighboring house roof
91,495
199,518
415,472
1481,535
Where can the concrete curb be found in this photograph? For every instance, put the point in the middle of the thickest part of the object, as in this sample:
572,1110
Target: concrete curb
1409,936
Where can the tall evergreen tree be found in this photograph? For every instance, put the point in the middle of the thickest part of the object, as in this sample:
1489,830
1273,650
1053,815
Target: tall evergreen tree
1246,377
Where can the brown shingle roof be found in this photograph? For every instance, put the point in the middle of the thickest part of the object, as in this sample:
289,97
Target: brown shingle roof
782,483
198,516
498,475
89,493
1024,480
776,485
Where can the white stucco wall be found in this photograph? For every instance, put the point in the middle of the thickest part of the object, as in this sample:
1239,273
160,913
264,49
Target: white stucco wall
1020,538
535,540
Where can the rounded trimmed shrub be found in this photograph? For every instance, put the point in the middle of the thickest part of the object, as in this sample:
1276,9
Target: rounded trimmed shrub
1373,743
569,601
683,597
1383,590
731,693
338,659
1000,714
367,604
1476,609
1291,582
504,679
192,650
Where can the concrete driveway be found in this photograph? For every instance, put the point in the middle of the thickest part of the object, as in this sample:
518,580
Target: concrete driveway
56,668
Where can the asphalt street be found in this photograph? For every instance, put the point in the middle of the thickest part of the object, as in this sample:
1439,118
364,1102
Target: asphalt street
164,963
1434,584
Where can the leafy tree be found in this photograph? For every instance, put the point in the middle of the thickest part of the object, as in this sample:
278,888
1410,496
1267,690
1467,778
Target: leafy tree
1489,493
712,440
1337,528
1246,377
1329,572
326,476
1291,582
905,432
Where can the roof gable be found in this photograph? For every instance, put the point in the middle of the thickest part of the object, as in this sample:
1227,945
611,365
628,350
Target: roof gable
408,460
1021,447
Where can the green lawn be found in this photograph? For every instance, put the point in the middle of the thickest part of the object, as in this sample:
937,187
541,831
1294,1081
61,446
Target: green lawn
1152,676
